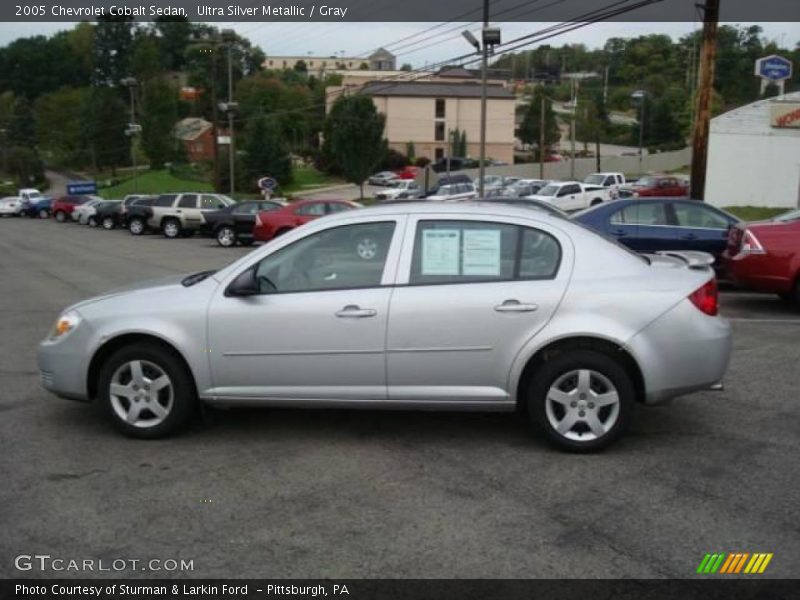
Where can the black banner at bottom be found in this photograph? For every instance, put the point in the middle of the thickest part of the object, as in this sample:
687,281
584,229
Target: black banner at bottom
416,589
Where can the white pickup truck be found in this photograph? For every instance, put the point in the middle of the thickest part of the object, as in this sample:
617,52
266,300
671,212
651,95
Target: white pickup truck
573,195
612,181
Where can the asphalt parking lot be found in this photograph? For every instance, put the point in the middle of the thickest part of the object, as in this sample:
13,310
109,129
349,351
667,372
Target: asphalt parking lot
289,493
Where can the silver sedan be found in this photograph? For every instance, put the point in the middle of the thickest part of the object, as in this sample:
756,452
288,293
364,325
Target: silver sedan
473,306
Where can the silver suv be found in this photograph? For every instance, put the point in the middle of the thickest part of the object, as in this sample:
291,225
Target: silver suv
459,306
182,214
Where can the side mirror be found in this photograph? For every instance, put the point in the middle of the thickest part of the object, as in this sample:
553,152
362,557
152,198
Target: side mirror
245,284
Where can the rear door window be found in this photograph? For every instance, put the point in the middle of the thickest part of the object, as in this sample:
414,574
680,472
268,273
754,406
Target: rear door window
315,209
697,215
641,213
188,201
165,200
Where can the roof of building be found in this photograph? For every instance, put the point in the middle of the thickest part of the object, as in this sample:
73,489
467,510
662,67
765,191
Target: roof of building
753,119
191,128
435,89
381,53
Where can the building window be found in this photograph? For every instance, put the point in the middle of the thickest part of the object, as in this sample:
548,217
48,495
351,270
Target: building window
270,63
440,108
439,132
311,63
439,153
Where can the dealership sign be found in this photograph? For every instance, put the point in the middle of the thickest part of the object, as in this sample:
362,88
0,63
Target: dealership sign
785,114
774,68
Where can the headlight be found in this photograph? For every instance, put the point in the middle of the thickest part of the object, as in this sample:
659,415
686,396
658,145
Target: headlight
64,325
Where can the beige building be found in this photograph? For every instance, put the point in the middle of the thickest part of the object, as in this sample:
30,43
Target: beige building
425,112
380,60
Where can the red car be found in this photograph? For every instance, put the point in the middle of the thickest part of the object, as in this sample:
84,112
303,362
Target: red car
765,255
408,173
63,206
660,186
277,222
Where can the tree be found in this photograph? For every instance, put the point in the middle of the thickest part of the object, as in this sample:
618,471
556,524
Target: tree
58,125
265,153
301,67
530,129
113,45
145,60
406,67
174,35
357,144
159,110
105,118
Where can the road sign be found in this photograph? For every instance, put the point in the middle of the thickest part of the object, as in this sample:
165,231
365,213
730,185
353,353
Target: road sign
267,184
774,68
81,187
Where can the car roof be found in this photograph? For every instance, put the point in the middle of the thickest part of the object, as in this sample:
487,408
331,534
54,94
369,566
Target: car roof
467,208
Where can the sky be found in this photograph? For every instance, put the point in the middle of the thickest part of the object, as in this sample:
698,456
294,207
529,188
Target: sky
359,39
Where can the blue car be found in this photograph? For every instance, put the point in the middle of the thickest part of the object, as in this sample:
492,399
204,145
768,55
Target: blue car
652,224
41,208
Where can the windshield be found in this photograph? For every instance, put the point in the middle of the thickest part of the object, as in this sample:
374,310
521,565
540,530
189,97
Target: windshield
792,215
596,179
34,196
548,190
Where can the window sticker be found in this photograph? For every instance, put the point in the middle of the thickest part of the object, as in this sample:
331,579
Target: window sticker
440,251
482,252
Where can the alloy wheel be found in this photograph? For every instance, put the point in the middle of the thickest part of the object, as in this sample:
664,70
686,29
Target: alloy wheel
367,248
171,229
61,216
136,227
226,237
141,393
43,214
582,405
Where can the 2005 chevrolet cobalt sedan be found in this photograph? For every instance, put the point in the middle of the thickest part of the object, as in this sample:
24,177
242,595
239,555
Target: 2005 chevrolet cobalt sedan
417,306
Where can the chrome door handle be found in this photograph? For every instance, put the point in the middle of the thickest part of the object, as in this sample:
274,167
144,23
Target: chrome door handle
354,312
515,306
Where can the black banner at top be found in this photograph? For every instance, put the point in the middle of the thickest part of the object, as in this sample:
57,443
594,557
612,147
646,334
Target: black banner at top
333,11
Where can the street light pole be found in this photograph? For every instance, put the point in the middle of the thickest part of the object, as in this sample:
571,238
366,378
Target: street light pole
484,65
640,95
231,133
133,128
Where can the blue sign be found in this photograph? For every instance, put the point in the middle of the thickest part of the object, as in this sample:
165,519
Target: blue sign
81,187
774,68
267,184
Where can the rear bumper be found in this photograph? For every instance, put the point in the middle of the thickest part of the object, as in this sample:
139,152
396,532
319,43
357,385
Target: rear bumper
683,351
757,272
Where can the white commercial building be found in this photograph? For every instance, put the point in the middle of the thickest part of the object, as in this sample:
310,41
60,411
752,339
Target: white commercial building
754,155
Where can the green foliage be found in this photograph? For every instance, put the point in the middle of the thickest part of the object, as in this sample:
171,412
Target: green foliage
529,130
411,151
174,35
104,121
406,67
355,134
265,153
59,133
112,49
159,112
24,165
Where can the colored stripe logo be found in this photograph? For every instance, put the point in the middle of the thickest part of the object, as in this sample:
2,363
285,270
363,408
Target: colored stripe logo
734,563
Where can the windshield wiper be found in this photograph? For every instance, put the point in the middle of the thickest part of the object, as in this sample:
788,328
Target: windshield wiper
197,278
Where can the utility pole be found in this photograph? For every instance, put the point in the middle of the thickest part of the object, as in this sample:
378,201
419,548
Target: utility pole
572,128
703,110
484,64
231,109
133,127
541,137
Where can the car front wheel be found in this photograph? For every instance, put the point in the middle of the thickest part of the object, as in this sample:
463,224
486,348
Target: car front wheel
108,223
581,400
43,214
171,228
61,216
146,391
226,237
136,226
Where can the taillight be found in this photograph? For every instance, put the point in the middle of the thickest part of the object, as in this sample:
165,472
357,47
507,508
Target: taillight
706,298
750,244
259,222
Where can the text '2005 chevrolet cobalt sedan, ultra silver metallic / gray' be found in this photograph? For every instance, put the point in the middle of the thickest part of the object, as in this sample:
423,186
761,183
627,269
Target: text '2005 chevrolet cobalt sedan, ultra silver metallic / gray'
416,306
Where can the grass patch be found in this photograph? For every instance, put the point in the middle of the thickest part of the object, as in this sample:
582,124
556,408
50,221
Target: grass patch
755,213
307,177
155,182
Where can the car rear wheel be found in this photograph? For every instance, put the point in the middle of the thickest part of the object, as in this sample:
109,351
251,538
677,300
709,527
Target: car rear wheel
136,226
108,223
226,236
61,216
43,214
581,400
171,228
146,391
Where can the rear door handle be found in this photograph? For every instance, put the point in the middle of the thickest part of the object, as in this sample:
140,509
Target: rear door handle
515,306
352,311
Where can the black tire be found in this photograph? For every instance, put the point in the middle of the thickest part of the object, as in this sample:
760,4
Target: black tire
137,226
562,365
280,232
226,236
184,397
171,228
91,222
247,241
43,214
108,223
61,216
793,297
596,201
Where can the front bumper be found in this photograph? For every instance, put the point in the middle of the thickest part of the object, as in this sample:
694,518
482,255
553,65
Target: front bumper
683,351
63,366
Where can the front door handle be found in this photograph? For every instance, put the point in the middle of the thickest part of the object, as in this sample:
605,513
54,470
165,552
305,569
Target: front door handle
689,236
352,311
515,306
619,232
